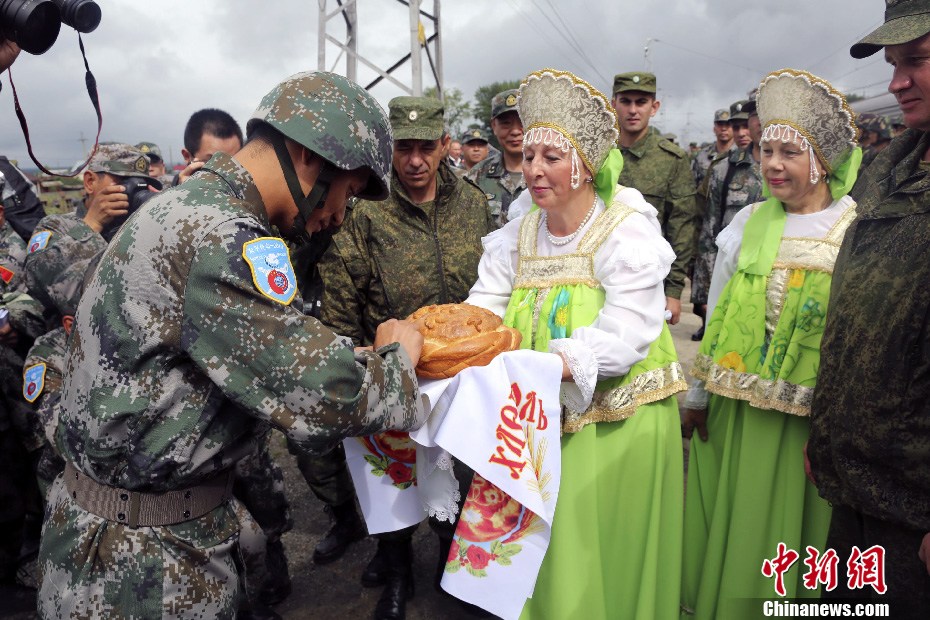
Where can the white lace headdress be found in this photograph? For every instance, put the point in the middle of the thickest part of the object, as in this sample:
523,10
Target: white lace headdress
795,105
562,110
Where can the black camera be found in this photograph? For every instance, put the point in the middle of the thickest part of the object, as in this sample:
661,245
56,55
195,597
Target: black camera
34,24
138,192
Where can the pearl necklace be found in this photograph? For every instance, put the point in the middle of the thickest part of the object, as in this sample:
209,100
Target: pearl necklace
559,241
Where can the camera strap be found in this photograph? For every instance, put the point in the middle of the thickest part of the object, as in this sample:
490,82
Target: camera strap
91,83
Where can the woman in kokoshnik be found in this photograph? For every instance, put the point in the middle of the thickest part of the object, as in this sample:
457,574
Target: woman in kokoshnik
747,491
581,275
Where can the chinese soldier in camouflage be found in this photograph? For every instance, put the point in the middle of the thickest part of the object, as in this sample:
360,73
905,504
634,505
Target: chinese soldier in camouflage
875,135
22,206
869,445
157,166
474,149
734,181
661,171
500,175
723,141
12,257
421,246
189,341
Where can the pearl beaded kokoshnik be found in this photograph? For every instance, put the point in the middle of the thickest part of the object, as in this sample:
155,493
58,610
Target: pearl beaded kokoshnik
568,238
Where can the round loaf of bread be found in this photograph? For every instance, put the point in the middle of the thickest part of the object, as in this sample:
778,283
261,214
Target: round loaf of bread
456,336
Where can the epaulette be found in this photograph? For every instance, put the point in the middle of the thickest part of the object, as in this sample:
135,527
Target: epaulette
672,148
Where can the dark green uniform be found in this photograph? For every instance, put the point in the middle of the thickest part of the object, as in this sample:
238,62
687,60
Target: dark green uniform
500,187
662,172
870,422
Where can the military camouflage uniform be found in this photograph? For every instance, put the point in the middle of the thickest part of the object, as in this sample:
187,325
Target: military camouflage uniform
870,421
393,257
12,257
879,125
203,362
662,172
22,208
49,349
500,187
745,188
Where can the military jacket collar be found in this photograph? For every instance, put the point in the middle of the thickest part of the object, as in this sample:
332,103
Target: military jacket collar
898,170
240,184
740,156
495,167
639,148
445,185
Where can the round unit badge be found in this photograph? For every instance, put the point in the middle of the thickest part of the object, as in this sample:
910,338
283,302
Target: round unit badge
278,281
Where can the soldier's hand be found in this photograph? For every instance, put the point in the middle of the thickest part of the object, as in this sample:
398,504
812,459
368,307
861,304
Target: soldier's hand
924,553
108,204
8,53
8,336
405,333
691,419
674,306
192,167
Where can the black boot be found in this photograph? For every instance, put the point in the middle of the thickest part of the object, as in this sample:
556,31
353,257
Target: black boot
277,586
347,528
375,574
393,602
444,546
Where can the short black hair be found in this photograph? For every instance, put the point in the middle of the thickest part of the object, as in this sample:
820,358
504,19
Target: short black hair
209,121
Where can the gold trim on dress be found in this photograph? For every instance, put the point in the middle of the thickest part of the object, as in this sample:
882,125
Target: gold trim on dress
778,395
620,403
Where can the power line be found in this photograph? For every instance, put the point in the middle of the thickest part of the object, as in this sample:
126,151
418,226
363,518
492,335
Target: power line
717,58
578,47
845,46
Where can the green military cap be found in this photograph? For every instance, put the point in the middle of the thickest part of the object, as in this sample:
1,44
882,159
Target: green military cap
739,110
122,160
473,135
750,106
905,20
505,101
875,123
150,150
637,80
416,118
721,116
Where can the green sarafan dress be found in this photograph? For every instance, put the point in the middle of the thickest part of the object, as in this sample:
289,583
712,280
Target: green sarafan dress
615,550
747,491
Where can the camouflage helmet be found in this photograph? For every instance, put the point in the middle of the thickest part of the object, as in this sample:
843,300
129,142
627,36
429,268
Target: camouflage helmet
336,119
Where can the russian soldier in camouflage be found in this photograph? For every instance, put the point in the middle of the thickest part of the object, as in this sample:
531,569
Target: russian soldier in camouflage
723,141
661,171
869,444
734,181
421,246
500,175
190,340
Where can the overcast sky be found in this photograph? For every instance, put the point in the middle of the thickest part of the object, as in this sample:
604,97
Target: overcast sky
156,62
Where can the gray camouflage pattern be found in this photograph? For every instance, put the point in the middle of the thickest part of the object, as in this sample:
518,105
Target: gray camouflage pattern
12,257
177,365
745,188
499,186
336,119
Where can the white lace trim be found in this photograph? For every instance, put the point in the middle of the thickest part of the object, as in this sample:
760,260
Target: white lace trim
582,363
439,489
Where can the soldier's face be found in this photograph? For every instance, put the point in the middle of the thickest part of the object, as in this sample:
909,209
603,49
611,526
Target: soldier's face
210,145
740,131
156,168
723,132
474,152
417,161
455,150
635,109
508,128
786,168
910,82
547,171
343,187
755,128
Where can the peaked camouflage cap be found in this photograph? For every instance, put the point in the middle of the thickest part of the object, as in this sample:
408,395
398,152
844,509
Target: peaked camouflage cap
905,20
150,150
121,160
739,110
641,81
503,102
474,135
721,116
416,118
336,119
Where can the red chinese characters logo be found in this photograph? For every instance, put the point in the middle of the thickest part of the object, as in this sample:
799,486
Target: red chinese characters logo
863,568
511,432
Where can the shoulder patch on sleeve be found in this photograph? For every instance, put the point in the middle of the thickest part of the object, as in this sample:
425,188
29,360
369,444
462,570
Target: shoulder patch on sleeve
674,149
272,273
6,275
33,381
39,240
